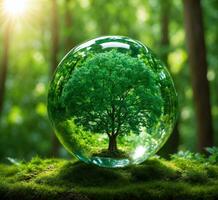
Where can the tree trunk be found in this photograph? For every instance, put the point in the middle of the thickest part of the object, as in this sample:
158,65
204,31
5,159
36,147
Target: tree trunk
54,59
4,63
164,25
198,67
68,25
112,147
172,143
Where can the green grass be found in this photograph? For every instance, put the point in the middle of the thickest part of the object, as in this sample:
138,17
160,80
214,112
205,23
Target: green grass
179,178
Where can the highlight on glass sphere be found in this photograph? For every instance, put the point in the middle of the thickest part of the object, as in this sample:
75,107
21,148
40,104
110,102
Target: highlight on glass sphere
112,102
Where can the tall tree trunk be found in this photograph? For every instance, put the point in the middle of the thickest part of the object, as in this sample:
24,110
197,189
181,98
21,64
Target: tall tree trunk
198,66
112,147
54,58
4,63
172,143
68,25
164,26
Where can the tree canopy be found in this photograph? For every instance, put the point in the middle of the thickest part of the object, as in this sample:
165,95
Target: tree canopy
113,93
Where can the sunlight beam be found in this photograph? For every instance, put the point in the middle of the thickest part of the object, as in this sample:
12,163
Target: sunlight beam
15,8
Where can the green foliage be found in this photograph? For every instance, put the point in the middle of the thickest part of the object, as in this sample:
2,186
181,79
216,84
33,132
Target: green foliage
113,93
200,167
24,125
154,179
189,156
213,158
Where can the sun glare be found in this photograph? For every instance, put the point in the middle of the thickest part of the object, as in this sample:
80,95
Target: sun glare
15,8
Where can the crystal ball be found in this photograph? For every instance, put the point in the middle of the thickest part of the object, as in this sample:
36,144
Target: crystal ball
112,102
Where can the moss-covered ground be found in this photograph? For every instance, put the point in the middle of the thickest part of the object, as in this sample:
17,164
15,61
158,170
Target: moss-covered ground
180,178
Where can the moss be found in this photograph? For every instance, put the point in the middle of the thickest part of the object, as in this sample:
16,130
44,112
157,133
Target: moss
156,178
114,154
154,170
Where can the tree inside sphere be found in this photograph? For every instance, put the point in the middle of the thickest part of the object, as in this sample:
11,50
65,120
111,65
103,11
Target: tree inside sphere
112,102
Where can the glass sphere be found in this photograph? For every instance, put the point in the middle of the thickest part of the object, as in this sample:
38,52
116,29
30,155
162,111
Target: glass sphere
112,102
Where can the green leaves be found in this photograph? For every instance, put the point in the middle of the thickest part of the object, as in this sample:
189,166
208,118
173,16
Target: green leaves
213,151
113,93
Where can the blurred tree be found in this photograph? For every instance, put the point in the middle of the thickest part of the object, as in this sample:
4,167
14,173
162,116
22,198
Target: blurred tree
101,9
54,58
211,37
4,63
172,143
68,25
110,20
198,66
165,10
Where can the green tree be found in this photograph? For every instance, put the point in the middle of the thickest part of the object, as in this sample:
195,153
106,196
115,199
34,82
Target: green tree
198,68
54,58
113,93
4,63
166,7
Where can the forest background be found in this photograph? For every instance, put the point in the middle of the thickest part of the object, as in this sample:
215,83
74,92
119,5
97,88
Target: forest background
183,33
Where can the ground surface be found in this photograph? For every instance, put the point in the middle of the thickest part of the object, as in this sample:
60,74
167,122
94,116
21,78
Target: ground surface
180,178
